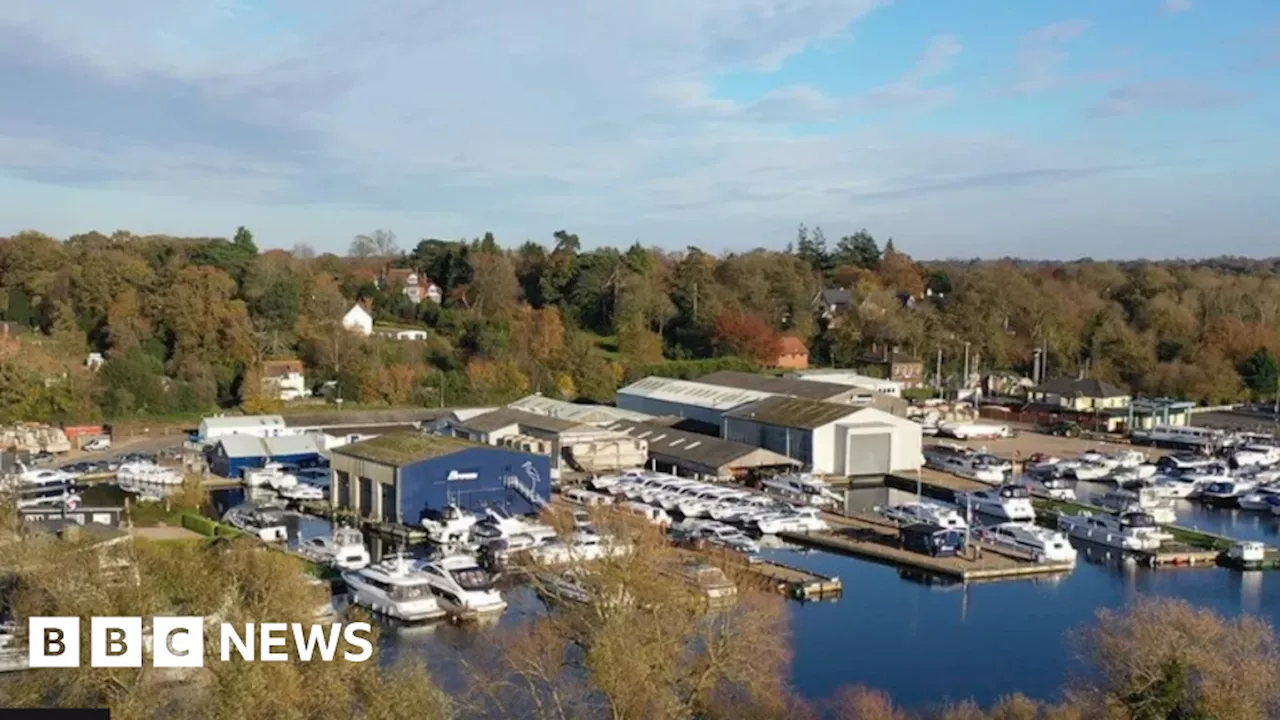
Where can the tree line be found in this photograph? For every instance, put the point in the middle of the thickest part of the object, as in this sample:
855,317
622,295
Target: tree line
185,324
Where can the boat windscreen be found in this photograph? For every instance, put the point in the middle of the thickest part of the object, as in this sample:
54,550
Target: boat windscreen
410,592
1014,491
473,579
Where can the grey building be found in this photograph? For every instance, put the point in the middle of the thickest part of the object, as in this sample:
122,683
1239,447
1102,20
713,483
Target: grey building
698,455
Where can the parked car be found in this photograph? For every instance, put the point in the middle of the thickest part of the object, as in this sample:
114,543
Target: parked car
40,458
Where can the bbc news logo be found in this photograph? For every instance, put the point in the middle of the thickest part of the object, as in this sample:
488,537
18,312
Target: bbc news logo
178,642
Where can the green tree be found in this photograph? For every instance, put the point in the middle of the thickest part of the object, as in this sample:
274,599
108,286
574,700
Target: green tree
859,250
1261,373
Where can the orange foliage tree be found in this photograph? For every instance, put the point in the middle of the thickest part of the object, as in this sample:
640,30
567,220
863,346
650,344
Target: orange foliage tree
746,335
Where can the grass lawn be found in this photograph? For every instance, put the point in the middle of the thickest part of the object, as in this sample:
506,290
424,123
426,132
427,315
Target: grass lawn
607,344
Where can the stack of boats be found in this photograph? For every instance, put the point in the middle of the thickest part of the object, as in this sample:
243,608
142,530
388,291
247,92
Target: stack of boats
968,463
1010,504
790,503
42,488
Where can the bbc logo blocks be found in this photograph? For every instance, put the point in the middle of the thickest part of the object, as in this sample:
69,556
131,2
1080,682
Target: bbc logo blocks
54,642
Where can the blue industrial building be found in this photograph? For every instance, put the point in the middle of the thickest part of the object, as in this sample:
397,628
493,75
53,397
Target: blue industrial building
396,478
234,453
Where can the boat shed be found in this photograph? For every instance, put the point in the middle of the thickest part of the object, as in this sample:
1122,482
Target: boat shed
232,454
829,438
703,402
577,412
790,387
395,478
701,456
581,446
262,426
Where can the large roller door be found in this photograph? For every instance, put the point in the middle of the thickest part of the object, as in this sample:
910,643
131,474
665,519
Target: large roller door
869,453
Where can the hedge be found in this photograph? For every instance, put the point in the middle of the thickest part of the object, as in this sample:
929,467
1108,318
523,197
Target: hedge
199,524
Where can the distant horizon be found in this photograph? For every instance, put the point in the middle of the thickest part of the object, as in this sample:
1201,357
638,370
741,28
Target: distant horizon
1084,128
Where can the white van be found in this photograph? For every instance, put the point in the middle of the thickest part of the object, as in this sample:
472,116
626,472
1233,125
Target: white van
98,444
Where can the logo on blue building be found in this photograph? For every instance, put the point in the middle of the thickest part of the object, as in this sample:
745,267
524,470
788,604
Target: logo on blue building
532,472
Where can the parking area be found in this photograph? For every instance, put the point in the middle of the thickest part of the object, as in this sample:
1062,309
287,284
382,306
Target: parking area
1028,443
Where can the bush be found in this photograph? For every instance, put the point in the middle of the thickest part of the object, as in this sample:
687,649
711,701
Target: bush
200,524
692,369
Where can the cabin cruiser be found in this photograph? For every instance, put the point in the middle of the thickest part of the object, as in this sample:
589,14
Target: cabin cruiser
448,526
392,588
343,550
717,533
1144,499
1086,470
1175,488
507,524
496,551
1130,530
972,467
1053,486
1184,462
51,490
1256,456
271,475
923,511
264,523
43,476
1226,493
302,491
463,588
1047,545
800,520
1041,465
581,545
148,473
1007,502
803,488
1263,497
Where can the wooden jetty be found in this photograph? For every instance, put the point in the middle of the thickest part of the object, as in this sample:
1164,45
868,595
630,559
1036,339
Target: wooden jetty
395,531
876,539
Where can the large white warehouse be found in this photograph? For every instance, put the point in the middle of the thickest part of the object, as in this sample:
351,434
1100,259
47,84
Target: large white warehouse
829,438
685,398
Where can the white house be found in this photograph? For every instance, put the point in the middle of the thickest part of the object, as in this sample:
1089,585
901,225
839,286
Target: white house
415,287
359,320
401,333
284,379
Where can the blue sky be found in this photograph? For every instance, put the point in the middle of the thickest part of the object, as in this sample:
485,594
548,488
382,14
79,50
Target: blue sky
961,128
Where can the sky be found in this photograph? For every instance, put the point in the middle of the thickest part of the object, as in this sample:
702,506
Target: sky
960,128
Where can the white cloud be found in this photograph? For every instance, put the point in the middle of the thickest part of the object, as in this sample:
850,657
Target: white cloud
507,115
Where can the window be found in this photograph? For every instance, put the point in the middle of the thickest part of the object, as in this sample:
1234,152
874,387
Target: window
366,497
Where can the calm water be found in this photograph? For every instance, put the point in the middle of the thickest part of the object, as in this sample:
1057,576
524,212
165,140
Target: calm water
925,643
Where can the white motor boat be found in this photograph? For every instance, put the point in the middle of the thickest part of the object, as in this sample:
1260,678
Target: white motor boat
581,546
508,524
1175,488
803,488
1263,498
1089,471
52,492
302,491
343,550
728,537
924,511
43,476
1131,459
798,520
393,589
1144,499
1130,530
1226,493
464,589
1256,456
270,475
1007,502
264,523
448,526
1053,486
1047,545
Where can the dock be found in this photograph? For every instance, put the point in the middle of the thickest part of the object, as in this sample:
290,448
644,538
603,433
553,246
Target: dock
793,582
877,540
401,533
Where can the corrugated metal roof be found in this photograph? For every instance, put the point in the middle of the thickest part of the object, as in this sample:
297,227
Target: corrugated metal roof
688,392
793,412
695,448
235,422
249,446
812,389
591,414
505,417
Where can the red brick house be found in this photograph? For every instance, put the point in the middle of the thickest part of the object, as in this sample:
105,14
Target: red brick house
792,353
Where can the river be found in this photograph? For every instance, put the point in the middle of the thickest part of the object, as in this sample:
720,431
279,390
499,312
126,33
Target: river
926,643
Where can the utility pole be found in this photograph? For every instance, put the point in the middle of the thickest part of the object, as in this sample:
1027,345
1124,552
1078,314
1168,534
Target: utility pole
1276,410
695,302
938,376
965,379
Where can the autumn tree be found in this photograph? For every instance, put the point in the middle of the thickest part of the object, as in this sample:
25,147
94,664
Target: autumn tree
746,336
376,244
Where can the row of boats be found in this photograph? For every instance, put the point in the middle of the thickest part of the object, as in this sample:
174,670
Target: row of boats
61,487
789,503
289,484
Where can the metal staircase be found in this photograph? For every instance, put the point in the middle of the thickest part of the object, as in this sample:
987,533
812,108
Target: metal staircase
527,492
